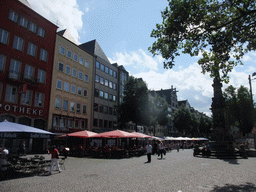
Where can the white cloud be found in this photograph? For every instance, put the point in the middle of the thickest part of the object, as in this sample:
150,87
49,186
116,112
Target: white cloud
65,15
190,82
139,60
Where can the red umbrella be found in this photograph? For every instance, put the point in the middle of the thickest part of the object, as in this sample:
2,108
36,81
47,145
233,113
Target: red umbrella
82,134
117,134
141,135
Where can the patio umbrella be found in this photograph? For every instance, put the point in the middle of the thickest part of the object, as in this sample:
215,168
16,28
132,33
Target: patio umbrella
81,134
14,130
169,138
116,134
141,135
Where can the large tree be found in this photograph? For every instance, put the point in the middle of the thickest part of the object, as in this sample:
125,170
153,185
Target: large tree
223,31
135,103
238,105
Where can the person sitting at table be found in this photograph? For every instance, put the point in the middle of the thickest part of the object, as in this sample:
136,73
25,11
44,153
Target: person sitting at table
54,158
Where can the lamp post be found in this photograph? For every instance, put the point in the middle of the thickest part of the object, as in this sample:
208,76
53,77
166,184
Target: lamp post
252,108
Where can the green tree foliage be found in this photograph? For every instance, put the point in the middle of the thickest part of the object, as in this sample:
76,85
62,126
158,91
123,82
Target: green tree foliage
185,121
135,103
238,107
214,28
158,110
205,125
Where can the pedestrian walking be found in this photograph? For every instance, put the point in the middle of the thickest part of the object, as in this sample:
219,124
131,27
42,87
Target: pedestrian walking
54,158
149,152
161,148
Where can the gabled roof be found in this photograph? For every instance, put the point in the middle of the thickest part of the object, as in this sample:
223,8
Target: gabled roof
25,2
93,47
65,33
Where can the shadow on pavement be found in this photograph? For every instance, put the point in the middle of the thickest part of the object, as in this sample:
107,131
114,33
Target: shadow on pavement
236,188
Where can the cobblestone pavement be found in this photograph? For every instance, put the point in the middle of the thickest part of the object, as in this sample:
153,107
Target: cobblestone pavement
178,171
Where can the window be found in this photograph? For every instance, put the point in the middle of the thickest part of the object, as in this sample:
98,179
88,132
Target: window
114,86
95,122
57,103
86,78
96,107
82,124
114,98
32,27
62,122
110,110
75,57
101,80
79,91
76,123
102,67
41,76
105,95
59,84
110,97
106,82
97,78
62,50
96,92
85,92
80,75
66,86
13,16
15,69
65,105
26,98
87,64
110,84
74,73
69,54
55,121
68,70
101,108
114,74
4,36
101,94
81,60
70,123
78,108
29,72
106,69
105,123
43,55
84,109
23,22
61,67
31,49
73,89
97,65
18,43
111,72
11,94
72,106
39,99
2,62
105,109
41,32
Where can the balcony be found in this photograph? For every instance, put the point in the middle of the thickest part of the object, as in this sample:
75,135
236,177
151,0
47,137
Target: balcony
21,78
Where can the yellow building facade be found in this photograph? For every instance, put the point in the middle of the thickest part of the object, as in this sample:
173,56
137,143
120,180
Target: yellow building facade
72,87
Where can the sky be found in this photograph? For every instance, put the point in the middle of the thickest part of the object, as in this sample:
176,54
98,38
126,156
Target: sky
123,28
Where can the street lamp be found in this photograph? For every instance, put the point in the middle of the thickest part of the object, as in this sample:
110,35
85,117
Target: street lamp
252,108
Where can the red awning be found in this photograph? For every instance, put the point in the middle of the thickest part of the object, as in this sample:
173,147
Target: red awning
116,134
81,134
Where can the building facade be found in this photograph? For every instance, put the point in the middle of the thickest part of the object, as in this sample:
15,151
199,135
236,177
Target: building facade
27,42
105,89
72,91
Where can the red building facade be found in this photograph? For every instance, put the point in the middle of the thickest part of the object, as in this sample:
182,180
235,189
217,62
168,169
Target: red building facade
27,44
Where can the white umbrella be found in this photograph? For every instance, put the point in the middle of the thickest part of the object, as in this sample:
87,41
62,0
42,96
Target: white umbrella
12,130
